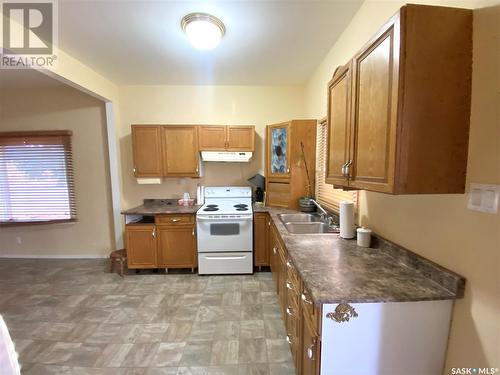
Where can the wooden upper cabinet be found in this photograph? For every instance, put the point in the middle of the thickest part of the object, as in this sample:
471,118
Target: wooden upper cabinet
180,150
141,246
212,138
375,97
278,151
146,150
339,106
240,138
409,95
227,138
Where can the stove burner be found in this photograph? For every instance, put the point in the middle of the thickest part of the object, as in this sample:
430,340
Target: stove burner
211,208
212,205
241,205
242,209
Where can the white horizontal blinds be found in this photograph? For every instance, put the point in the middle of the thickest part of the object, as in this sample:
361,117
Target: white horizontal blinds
36,177
326,195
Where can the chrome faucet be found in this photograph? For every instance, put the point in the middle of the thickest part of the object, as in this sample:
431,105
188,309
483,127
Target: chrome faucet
325,216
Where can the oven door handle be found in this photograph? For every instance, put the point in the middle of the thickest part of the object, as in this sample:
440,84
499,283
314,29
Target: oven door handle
250,218
226,257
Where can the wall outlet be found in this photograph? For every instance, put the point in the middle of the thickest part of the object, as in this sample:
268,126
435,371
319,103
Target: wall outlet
484,198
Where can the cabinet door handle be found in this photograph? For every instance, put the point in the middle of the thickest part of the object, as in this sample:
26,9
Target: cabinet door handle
344,168
347,168
153,233
197,169
134,170
289,285
192,232
310,352
304,298
288,170
288,339
289,264
274,250
269,223
289,311
175,220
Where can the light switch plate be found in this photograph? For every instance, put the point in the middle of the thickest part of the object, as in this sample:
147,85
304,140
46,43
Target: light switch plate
484,198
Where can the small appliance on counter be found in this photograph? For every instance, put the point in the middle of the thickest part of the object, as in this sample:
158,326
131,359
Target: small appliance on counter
364,236
260,182
225,231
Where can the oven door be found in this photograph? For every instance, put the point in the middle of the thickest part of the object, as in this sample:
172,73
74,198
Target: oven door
226,234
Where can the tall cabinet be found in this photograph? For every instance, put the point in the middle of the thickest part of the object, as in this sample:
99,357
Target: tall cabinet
399,110
286,178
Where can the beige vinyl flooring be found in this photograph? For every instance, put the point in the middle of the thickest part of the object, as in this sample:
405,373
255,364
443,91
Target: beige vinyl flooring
73,317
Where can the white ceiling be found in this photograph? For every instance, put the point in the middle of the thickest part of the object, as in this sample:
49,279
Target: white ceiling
141,42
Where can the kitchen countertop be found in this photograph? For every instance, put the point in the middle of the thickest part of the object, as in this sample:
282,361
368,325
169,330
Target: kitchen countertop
335,270
161,206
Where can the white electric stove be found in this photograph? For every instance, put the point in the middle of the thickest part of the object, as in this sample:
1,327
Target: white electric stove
225,231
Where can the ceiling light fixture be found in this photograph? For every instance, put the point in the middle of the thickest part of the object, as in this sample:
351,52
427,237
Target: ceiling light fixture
204,31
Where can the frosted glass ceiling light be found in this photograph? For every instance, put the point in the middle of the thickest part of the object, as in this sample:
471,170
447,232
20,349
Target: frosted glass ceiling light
204,31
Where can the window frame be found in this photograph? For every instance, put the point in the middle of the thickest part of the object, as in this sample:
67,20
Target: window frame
333,196
56,137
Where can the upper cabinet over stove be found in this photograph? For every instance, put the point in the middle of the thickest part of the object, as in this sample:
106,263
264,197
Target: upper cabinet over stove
227,138
399,111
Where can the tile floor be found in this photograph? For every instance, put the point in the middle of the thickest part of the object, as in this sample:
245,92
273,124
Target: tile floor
72,317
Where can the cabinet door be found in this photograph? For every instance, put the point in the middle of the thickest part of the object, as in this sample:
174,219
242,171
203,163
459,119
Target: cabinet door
141,246
274,257
212,138
180,151
374,114
339,101
278,152
240,138
282,279
146,150
176,246
261,239
309,349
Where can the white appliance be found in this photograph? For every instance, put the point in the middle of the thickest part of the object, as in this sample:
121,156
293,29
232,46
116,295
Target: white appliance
225,231
227,156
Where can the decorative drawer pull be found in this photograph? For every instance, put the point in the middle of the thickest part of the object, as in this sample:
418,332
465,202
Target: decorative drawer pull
274,250
153,234
175,220
289,264
289,285
342,313
288,339
289,311
310,352
304,298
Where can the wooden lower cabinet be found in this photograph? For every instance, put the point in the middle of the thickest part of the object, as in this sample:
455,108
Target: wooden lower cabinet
170,243
261,224
141,245
176,247
300,314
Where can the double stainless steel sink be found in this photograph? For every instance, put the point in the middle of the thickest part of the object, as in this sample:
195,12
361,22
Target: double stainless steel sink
307,224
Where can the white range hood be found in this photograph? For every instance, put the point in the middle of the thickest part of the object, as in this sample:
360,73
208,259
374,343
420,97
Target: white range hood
227,156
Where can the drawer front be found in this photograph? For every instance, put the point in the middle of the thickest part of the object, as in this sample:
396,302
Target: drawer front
293,295
309,309
182,219
278,194
293,275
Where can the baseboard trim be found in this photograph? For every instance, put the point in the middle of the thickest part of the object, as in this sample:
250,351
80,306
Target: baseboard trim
49,256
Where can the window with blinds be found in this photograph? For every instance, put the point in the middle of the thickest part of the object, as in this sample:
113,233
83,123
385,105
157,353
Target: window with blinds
36,177
326,195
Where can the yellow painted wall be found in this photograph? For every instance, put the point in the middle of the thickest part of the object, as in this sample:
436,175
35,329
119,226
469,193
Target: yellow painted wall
225,105
56,109
440,227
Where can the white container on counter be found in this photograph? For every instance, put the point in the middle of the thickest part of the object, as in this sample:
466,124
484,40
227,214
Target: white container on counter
364,237
346,219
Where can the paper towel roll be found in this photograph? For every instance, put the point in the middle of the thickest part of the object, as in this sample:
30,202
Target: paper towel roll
346,219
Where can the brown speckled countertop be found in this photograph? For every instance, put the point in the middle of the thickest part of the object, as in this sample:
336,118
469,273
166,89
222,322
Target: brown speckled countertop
335,270
161,206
